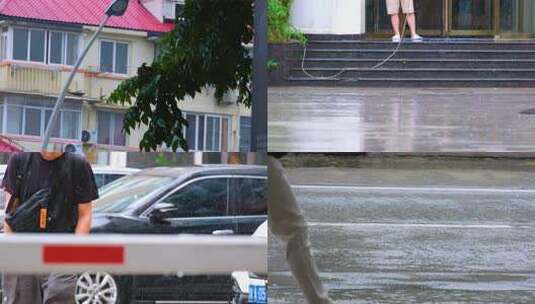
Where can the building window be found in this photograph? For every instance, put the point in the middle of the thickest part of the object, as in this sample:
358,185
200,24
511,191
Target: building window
113,57
245,134
29,44
14,120
37,45
208,132
3,44
32,118
70,127
72,48
20,44
213,131
28,116
56,47
63,48
110,128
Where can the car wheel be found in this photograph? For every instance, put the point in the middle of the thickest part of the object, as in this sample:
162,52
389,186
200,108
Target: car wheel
96,288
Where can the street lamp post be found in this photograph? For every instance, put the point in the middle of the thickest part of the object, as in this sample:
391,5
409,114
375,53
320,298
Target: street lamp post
260,58
116,8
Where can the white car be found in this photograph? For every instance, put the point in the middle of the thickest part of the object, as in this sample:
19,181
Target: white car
251,287
106,175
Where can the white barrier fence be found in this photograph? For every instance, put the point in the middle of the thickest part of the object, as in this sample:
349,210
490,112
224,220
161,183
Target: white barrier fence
132,254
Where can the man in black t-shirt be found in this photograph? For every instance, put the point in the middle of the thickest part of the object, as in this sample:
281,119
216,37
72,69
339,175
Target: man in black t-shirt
70,212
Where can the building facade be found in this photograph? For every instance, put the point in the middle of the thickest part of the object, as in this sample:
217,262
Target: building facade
441,18
39,44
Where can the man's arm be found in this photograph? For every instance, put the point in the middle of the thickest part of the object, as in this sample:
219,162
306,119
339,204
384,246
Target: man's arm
7,228
84,218
287,222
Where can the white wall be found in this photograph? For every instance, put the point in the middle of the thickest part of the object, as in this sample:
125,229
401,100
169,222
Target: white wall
329,16
161,9
155,7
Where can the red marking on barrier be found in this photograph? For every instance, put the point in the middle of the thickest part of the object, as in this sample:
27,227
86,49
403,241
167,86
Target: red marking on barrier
86,254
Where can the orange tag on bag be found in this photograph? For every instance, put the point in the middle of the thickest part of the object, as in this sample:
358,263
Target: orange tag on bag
16,203
42,218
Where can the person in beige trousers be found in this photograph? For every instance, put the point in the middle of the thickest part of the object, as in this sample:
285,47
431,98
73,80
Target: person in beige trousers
286,221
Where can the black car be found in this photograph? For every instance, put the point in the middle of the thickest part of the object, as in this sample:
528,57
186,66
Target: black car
217,200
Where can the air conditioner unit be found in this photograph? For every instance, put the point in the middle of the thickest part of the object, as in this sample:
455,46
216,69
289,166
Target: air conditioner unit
231,97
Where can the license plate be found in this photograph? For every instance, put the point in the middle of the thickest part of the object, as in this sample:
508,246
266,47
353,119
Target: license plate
257,294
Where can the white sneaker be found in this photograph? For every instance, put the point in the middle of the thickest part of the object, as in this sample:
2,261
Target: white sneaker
417,38
396,39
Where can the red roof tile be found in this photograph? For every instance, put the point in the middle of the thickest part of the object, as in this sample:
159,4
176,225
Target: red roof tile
84,12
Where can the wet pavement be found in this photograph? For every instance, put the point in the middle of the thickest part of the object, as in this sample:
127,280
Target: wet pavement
418,242
308,119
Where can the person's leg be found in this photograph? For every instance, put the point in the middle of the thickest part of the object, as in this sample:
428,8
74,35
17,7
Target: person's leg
18,289
394,19
408,9
411,21
59,289
286,221
392,7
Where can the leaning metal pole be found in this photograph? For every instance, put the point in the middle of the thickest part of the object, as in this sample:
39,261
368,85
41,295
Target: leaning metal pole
259,115
61,97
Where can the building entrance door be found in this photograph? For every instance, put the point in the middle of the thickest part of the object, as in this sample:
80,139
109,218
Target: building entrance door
460,18
472,17
452,18
430,17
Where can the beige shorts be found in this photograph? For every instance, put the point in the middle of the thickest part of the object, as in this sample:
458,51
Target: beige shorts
393,6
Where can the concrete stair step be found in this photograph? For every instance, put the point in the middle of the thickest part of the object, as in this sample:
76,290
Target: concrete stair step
443,73
441,62
399,63
427,39
414,82
426,45
414,54
333,37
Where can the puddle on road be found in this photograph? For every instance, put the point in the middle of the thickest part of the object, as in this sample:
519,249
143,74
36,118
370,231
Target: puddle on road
325,120
419,287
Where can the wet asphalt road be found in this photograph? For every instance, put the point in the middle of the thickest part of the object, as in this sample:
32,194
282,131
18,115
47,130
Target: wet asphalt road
308,119
417,245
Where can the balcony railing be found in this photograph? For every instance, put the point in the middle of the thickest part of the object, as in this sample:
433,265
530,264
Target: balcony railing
43,79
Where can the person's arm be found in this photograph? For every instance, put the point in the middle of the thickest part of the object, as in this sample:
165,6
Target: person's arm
84,218
85,193
7,228
287,222
9,183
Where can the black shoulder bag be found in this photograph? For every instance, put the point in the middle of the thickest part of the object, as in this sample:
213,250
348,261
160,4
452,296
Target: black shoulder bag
30,215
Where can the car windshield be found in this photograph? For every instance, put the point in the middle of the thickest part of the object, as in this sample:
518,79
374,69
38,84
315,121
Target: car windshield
119,195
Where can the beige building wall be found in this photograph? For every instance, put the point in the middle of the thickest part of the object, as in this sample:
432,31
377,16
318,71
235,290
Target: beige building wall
47,80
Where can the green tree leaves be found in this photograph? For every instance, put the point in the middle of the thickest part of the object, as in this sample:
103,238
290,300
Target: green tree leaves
279,28
205,50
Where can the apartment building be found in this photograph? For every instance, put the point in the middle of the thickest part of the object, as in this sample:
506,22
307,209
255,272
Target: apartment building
40,42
